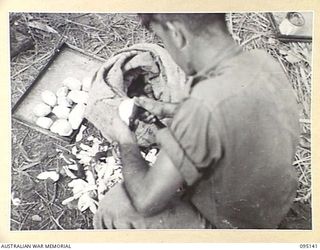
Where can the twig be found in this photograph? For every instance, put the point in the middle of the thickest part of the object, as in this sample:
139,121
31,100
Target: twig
26,217
250,39
62,148
42,227
29,165
26,156
44,201
84,25
231,22
13,220
32,63
301,160
56,222
305,121
55,192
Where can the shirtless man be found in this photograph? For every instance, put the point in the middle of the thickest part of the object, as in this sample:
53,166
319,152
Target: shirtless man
226,159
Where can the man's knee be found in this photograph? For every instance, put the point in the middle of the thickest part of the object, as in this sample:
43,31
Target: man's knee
115,204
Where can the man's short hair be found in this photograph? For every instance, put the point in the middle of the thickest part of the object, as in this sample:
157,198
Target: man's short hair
196,22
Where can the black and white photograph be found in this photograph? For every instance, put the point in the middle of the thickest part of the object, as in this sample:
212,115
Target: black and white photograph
161,120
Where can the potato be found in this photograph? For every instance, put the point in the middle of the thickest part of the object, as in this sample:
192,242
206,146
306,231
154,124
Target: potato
41,109
48,97
61,111
86,83
72,83
44,122
61,127
125,110
76,115
64,101
63,91
78,96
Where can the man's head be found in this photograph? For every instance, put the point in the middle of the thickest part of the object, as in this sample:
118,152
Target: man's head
183,33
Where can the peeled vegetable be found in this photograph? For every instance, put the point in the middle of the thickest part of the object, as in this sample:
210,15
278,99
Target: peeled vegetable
49,98
64,101
126,109
44,122
61,127
53,175
86,84
78,96
63,91
76,115
41,109
61,111
72,83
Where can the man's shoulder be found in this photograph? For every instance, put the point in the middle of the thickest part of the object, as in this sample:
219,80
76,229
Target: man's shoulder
248,74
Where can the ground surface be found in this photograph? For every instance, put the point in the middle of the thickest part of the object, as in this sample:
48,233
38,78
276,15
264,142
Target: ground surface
103,34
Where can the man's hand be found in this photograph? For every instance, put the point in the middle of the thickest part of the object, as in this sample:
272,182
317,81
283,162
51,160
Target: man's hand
107,83
155,109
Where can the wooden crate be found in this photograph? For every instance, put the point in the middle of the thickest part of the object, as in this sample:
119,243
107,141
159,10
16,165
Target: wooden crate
66,61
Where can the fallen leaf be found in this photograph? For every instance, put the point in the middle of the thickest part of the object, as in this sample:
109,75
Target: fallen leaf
93,208
15,201
68,158
96,140
111,161
80,133
68,200
77,182
69,173
94,149
74,150
36,218
85,160
79,187
292,58
272,40
53,175
42,26
84,202
73,167
283,52
84,147
90,138
117,174
82,153
90,178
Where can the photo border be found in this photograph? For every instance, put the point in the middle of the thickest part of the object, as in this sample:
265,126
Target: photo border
125,6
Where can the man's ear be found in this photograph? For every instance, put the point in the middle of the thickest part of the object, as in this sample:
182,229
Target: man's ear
178,34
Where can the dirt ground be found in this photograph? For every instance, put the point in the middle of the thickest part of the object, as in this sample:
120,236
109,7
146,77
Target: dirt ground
39,206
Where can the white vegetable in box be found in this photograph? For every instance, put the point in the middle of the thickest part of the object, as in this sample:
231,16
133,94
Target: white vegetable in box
64,101
63,91
61,111
44,122
76,115
48,97
86,84
61,127
41,109
78,96
72,83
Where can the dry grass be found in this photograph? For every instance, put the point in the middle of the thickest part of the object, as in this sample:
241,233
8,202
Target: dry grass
104,34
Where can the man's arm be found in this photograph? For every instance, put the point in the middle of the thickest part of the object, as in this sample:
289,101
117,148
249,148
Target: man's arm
150,188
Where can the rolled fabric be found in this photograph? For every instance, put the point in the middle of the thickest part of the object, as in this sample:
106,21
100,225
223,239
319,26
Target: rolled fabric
126,74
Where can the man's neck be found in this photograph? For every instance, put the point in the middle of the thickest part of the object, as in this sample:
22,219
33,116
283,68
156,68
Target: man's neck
208,52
